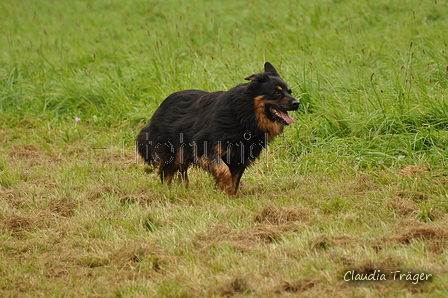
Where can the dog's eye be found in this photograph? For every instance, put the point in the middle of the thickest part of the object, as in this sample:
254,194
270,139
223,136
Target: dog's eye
278,92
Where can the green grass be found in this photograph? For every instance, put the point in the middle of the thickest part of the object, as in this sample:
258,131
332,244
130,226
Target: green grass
358,181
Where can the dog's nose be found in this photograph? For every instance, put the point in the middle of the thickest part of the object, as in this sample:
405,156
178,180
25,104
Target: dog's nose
295,104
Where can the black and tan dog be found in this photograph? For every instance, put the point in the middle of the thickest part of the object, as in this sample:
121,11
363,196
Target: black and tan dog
222,132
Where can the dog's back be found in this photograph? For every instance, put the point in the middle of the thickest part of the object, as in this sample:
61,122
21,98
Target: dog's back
156,140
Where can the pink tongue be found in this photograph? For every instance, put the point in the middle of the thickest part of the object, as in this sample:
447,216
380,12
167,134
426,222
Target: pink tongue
285,117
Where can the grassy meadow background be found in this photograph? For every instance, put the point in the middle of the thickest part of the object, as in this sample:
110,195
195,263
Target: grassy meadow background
357,182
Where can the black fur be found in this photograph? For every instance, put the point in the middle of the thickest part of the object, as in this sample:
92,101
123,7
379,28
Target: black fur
222,132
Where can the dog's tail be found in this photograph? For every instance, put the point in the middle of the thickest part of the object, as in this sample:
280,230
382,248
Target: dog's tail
145,146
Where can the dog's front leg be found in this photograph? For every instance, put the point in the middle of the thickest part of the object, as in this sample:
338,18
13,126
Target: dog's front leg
220,171
237,172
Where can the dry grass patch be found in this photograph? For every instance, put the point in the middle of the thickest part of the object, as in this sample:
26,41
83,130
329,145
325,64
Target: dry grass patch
256,285
269,225
404,207
65,206
22,225
143,197
413,171
362,185
434,235
416,196
324,242
18,226
132,235
133,253
13,199
273,215
233,288
100,191
298,286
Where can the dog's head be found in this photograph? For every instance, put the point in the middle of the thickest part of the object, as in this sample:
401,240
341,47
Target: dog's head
272,96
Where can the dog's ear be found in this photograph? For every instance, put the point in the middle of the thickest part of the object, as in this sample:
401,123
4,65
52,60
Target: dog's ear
269,68
259,77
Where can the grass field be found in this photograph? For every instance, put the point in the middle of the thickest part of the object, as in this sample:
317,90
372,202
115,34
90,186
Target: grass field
355,187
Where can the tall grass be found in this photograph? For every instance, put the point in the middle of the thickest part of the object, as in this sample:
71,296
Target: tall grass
363,70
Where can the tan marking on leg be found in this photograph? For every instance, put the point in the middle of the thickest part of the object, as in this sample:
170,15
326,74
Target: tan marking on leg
218,150
179,158
223,152
220,171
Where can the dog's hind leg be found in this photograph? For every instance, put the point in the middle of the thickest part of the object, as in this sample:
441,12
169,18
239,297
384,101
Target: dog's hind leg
182,165
167,172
